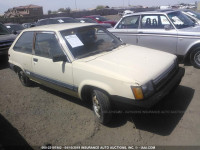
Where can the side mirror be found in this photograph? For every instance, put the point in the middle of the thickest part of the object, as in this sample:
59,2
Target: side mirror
58,58
32,25
167,27
14,32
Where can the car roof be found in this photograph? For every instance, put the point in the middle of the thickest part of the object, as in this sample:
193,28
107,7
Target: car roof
93,16
59,27
165,11
55,18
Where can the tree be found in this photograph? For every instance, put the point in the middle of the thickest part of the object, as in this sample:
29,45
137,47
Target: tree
61,10
49,12
100,7
65,10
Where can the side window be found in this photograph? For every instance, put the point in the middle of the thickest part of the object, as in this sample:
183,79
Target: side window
130,22
25,43
154,22
46,45
149,21
164,20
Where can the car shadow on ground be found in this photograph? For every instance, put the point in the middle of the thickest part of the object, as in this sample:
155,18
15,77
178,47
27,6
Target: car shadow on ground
3,62
10,137
64,96
160,119
163,117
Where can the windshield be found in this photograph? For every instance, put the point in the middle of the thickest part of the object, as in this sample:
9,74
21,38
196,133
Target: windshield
87,41
3,30
87,20
101,18
14,27
63,20
180,20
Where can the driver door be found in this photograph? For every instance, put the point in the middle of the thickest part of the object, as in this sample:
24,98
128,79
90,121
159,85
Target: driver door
53,74
152,33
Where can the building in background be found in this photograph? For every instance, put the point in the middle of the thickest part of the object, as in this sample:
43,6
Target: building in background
24,11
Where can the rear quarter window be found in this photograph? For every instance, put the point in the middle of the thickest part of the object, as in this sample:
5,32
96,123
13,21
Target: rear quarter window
25,43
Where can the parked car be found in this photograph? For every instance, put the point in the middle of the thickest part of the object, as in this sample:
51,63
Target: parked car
127,12
14,28
28,25
100,19
169,31
88,62
194,16
192,13
88,20
6,39
56,20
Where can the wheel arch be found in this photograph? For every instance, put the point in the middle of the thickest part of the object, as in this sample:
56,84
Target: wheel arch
86,87
16,68
190,49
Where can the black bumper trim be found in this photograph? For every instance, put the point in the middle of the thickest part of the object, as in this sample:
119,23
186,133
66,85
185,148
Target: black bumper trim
121,101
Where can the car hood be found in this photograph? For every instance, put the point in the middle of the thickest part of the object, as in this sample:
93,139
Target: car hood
131,63
190,31
10,37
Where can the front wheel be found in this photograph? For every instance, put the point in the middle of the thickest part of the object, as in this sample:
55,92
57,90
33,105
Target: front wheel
101,106
195,58
23,78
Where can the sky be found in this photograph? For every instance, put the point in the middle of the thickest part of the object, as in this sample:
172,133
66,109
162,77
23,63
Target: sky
84,4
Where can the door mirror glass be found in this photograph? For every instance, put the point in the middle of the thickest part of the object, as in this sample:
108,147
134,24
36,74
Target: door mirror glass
58,58
167,27
14,32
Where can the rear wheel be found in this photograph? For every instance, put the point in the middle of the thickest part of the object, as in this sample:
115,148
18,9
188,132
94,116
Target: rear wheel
101,106
23,78
195,58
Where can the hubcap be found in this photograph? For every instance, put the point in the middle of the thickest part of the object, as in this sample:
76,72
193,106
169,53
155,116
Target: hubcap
197,58
96,106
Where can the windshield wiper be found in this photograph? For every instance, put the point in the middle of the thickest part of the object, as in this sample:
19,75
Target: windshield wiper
89,54
114,47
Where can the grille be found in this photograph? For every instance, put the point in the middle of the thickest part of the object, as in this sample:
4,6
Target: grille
161,80
5,45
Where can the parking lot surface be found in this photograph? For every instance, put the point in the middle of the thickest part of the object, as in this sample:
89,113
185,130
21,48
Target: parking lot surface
38,116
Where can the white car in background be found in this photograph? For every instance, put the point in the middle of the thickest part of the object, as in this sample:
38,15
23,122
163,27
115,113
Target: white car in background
127,12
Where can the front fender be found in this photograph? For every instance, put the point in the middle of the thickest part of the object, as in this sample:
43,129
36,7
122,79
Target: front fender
96,84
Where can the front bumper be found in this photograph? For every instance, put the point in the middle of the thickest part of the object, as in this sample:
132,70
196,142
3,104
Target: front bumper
174,81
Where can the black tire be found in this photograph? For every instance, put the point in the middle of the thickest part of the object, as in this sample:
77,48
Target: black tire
195,58
24,79
101,106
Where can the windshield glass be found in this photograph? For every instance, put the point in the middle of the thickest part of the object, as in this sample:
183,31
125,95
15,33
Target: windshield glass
86,20
180,20
3,30
87,41
63,20
101,18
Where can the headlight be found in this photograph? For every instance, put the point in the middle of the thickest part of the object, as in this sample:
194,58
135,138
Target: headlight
144,91
148,89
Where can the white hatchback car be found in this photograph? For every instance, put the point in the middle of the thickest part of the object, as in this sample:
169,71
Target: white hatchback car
87,61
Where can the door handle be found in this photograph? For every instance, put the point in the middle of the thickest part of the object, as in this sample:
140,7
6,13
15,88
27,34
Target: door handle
140,32
35,59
